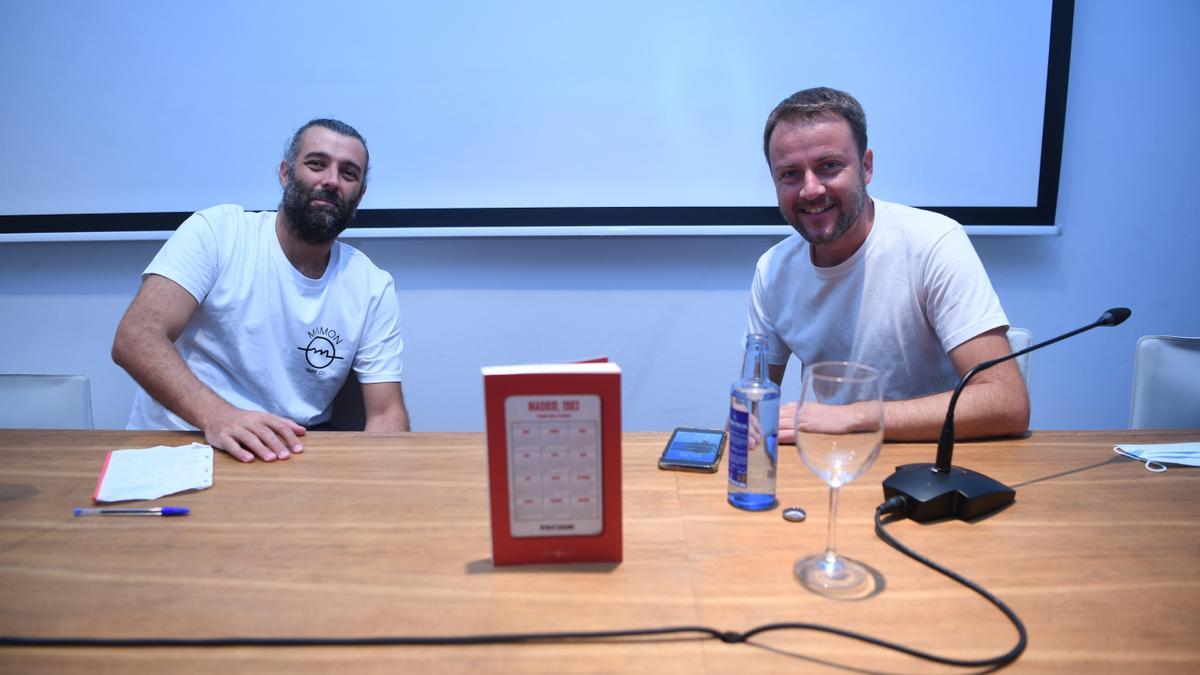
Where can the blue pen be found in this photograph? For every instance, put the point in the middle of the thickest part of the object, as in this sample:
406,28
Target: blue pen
150,511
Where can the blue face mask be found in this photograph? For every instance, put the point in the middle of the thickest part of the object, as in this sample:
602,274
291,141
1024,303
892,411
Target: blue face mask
1159,454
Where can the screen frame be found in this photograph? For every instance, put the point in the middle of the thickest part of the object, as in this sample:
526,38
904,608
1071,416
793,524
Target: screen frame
657,221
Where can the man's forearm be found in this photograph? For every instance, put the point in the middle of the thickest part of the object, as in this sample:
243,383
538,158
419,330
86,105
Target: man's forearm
983,409
917,419
384,408
156,365
388,423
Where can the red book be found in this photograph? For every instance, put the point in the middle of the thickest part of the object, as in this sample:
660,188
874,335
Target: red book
554,462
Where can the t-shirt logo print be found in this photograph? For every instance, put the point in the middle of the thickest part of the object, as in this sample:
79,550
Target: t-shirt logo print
321,350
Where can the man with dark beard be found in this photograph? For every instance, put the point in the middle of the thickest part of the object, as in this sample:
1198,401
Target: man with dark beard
897,288
248,323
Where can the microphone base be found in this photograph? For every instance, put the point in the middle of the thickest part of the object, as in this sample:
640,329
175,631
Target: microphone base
935,495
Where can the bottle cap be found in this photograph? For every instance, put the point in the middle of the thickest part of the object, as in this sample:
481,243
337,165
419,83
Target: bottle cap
794,514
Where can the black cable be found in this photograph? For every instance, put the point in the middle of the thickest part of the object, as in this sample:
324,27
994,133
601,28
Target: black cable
891,505
897,504
429,641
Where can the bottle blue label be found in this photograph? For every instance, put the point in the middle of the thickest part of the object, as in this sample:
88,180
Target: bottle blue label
739,428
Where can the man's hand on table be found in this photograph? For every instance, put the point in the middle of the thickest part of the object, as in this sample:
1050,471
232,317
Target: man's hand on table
819,418
246,434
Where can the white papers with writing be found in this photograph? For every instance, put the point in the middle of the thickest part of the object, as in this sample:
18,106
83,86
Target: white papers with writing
151,473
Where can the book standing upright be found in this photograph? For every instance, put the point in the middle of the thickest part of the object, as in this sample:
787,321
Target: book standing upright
554,462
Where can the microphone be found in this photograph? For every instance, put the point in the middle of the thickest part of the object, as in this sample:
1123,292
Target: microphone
940,490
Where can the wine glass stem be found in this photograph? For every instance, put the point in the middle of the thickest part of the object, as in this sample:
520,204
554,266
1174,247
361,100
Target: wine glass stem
830,554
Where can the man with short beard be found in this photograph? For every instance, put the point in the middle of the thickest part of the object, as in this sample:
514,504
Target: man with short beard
865,280
248,323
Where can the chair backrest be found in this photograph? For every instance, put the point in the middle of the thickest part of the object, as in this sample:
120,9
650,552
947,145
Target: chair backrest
1166,383
1018,339
349,412
45,402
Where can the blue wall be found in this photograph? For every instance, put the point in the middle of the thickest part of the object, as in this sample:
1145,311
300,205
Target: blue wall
671,310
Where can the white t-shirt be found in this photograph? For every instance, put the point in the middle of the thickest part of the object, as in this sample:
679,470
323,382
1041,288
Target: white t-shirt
912,292
265,337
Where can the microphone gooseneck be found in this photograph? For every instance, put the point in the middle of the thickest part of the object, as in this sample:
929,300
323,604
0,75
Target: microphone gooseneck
940,490
945,451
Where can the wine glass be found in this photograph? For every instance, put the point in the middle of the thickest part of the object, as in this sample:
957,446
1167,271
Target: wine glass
839,428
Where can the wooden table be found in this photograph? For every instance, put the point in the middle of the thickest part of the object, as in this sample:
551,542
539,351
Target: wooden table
375,535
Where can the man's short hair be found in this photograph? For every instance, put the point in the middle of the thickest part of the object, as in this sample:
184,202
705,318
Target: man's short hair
336,126
810,104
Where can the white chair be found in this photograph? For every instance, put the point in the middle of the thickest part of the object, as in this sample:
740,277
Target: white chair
45,402
1018,339
1166,383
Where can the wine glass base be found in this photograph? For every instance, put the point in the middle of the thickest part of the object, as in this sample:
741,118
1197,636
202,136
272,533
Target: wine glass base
840,578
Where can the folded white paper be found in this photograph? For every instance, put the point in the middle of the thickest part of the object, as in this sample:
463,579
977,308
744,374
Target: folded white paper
151,473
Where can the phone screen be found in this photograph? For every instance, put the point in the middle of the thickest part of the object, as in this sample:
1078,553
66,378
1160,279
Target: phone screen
693,450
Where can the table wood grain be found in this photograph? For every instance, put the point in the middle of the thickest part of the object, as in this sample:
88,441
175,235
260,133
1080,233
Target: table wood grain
380,535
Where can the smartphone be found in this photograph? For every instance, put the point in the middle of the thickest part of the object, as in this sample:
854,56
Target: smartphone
693,450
